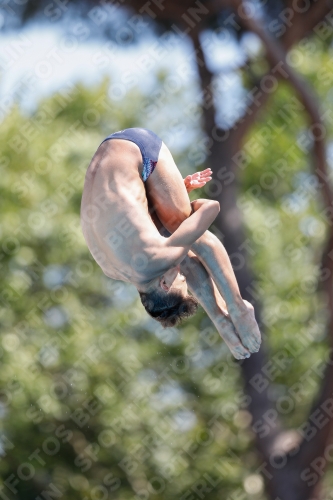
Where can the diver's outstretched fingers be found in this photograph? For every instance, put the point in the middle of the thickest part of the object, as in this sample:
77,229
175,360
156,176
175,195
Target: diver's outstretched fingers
197,180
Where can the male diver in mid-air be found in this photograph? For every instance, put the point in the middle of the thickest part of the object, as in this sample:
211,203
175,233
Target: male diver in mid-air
141,227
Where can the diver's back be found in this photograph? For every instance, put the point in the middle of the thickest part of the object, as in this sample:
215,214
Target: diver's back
114,209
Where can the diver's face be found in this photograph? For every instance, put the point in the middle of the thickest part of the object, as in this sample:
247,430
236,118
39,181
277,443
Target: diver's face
174,280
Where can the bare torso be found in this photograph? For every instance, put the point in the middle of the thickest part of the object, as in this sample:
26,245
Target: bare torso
116,222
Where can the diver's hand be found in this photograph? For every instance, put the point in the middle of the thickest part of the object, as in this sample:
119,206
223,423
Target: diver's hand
246,326
197,180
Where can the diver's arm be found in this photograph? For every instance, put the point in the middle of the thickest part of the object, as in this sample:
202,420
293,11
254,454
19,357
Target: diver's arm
178,244
203,214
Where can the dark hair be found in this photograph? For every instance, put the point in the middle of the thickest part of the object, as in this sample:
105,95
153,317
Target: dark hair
168,308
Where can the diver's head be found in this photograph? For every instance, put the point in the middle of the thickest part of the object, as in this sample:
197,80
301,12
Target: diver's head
166,299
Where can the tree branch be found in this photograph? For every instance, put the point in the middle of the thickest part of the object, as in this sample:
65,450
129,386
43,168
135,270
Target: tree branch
302,23
206,79
298,25
277,57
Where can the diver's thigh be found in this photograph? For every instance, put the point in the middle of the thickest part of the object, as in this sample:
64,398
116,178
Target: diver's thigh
166,192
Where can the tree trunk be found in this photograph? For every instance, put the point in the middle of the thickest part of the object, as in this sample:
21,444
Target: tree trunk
282,467
229,228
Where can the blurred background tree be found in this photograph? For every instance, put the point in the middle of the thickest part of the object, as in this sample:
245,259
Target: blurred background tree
98,401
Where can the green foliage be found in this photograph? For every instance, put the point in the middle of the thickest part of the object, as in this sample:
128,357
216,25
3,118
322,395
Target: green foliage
96,398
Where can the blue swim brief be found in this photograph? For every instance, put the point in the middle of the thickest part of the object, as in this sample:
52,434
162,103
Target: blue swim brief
148,142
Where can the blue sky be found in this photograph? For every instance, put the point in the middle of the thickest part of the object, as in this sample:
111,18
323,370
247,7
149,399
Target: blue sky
49,59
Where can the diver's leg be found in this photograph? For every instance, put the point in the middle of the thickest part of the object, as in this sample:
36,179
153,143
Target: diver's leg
170,205
166,192
205,291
